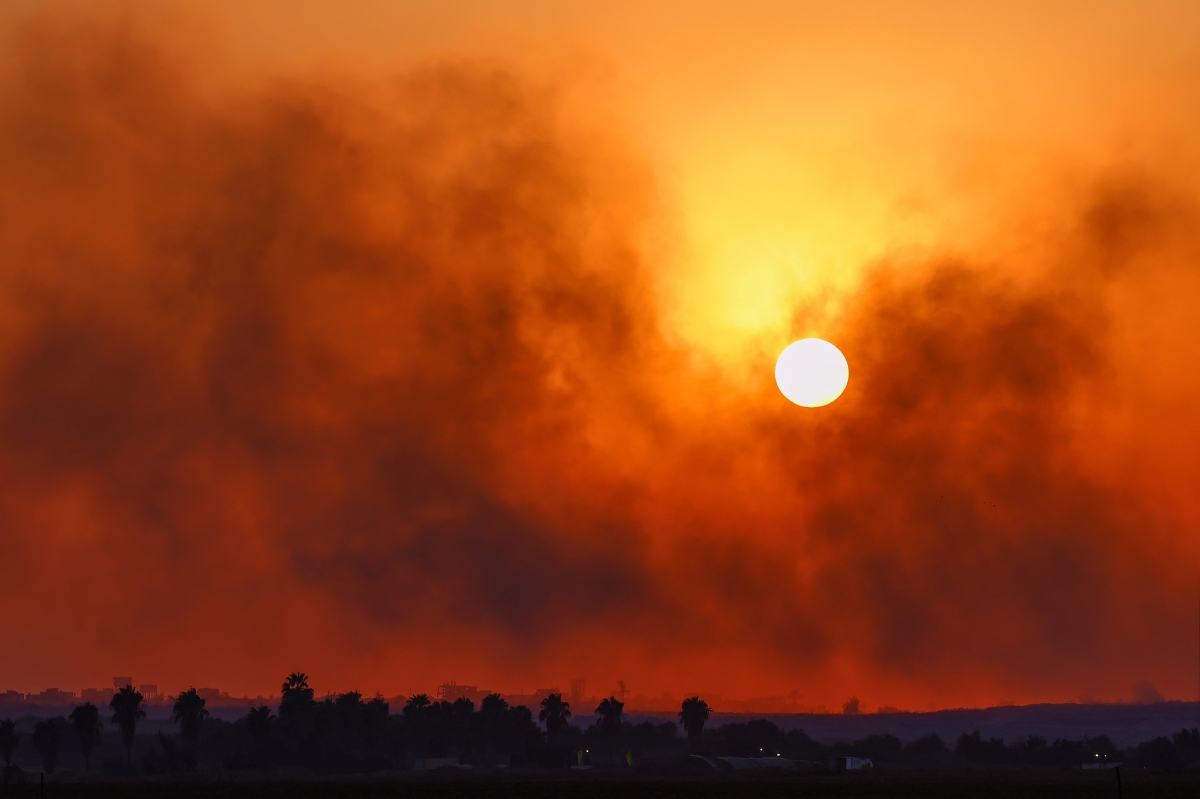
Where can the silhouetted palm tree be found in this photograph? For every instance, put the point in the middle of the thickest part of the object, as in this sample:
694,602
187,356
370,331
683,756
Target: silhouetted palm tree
45,741
492,711
297,708
296,686
126,705
609,710
349,709
258,723
416,706
554,713
694,715
325,718
463,727
493,705
418,712
85,720
8,740
350,702
374,722
189,713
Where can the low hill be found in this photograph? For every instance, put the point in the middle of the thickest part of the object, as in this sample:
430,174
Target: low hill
1125,725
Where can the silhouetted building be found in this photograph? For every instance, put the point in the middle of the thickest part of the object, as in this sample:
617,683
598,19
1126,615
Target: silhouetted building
578,686
11,697
53,696
451,691
98,696
121,682
148,691
209,695
532,700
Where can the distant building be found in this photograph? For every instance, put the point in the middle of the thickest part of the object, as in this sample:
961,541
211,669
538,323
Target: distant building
209,695
148,691
531,700
53,696
851,763
578,686
452,691
98,696
11,697
542,693
122,682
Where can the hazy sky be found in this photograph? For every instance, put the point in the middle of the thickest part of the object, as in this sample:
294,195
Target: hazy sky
400,343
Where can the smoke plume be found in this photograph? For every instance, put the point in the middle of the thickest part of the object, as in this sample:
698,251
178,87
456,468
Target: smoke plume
373,377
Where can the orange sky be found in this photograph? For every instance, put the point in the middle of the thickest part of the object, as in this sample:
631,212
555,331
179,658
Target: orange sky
410,343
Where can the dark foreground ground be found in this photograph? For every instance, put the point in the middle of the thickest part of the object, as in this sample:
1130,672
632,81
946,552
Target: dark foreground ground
1019,783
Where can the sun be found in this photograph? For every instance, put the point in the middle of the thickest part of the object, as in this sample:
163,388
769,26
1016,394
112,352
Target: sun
812,372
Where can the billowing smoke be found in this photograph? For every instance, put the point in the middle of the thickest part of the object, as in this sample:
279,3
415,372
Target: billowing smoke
372,376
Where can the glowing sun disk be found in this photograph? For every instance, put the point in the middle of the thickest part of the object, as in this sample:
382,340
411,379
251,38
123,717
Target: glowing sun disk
812,372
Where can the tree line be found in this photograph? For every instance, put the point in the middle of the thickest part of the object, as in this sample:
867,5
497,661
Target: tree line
346,733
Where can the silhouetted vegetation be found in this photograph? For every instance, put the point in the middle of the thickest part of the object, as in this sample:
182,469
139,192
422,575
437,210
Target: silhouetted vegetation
189,713
1176,753
8,740
168,758
1034,751
609,720
928,750
47,735
126,705
974,749
561,737
348,733
258,723
762,738
555,713
693,715
85,721
297,707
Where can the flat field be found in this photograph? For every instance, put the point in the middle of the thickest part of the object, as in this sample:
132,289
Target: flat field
1011,784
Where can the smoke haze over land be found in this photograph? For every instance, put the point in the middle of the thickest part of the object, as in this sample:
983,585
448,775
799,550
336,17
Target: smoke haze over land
383,377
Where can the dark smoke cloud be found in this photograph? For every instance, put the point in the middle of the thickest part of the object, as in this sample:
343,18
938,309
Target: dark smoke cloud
950,523
395,346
